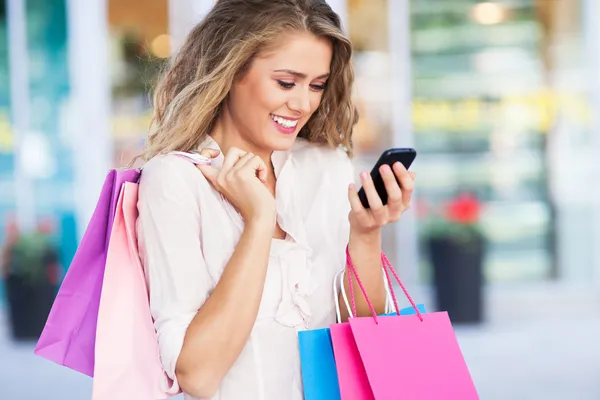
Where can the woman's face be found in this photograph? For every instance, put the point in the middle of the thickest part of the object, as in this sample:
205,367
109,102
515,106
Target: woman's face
279,93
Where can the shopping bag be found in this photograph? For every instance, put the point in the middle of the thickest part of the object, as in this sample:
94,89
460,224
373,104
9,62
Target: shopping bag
127,356
352,377
69,335
317,361
319,375
414,357
70,332
317,364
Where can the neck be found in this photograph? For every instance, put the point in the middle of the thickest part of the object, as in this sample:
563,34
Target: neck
227,135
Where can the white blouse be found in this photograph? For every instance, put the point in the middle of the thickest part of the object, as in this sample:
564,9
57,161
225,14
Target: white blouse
187,232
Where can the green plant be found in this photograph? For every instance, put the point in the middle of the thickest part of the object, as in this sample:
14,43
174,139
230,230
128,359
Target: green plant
31,256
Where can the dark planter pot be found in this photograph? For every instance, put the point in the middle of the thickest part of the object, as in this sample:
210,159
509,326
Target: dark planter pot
458,277
31,286
28,306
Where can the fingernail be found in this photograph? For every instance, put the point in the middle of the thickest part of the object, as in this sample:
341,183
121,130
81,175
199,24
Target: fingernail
385,169
364,175
351,186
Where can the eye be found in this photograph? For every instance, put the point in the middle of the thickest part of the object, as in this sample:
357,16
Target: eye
318,88
286,85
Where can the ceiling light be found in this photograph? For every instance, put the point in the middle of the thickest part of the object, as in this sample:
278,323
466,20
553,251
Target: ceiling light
488,13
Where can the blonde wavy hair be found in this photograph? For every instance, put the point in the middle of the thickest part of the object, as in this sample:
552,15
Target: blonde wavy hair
217,52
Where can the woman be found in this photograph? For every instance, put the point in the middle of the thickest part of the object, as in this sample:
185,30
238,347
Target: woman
241,255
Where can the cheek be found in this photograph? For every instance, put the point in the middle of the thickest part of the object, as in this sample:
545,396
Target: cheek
315,101
253,99
268,96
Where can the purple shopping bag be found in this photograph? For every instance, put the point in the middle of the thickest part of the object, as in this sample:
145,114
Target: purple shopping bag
70,333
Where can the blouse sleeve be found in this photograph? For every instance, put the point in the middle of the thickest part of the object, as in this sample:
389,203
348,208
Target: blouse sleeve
168,229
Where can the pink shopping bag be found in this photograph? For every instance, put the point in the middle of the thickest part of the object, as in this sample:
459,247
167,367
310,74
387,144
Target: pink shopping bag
127,357
353,380
352,377
413,357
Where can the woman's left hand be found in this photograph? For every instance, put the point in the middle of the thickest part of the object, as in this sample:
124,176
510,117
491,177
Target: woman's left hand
370,220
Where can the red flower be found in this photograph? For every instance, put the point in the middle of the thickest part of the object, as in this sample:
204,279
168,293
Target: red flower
11,232
464,209
54,274
45,226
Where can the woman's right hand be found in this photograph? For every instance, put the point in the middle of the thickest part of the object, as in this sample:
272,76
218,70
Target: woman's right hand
242,180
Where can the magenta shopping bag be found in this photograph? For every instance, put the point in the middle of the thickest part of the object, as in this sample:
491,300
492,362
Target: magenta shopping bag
415,357
70,333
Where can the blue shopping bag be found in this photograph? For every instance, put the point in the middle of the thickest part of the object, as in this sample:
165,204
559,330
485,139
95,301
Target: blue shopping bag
319,375
408,311
317,363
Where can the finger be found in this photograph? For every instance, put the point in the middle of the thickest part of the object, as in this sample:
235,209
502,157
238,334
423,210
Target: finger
373,198
210,173
247,162
210,153
356,206
406,183
392,188
355,203
232,157
242,161
258,167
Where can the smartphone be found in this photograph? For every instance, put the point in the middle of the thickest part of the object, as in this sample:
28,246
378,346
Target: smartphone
406,156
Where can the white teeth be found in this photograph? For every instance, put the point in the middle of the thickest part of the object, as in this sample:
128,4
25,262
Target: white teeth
284,122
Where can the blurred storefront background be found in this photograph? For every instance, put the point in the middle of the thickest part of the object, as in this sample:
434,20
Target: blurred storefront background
502,107
498,98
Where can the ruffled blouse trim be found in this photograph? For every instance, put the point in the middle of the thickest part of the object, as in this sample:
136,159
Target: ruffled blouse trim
294,253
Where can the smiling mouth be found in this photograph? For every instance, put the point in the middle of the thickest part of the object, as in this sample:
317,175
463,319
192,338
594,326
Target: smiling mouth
286,123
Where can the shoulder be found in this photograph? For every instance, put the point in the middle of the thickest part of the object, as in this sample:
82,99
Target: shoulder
167,173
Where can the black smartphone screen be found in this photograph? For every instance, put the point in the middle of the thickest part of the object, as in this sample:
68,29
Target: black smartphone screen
406,156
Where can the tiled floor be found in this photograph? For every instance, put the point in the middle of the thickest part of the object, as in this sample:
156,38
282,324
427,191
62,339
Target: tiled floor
540,342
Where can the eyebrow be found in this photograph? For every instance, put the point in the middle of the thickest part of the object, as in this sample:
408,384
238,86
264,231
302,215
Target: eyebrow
300,74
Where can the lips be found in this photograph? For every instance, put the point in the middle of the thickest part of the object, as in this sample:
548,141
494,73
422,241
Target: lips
284,125
284,122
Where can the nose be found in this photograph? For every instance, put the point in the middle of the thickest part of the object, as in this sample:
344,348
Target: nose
300,101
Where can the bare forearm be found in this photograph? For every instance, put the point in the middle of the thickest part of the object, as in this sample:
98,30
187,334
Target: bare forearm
220,329
366,257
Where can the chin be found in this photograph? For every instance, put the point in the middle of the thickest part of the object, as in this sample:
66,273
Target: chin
282,143
278,141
